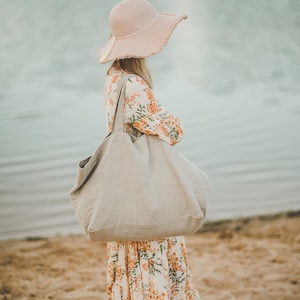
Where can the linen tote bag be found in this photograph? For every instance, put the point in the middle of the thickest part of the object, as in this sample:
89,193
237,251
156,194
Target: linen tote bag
138,188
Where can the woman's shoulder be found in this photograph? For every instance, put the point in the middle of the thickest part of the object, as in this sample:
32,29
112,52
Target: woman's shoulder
135,85
115,75
136,80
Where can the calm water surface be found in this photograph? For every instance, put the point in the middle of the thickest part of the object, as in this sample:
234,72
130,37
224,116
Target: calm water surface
231,72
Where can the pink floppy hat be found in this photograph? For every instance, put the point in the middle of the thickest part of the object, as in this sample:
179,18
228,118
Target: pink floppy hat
137,30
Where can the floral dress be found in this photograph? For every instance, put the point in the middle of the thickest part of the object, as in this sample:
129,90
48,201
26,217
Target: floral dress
155,269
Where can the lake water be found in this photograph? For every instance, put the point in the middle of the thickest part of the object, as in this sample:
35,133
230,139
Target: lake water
231,72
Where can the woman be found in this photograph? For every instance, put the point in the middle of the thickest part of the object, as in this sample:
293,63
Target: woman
156,269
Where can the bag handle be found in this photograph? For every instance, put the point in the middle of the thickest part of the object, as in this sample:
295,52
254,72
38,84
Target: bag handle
118,117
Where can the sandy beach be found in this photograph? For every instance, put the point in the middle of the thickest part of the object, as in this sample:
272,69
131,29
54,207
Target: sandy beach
254,258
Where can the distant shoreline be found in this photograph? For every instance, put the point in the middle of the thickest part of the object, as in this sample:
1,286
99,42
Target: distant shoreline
238,224
233,225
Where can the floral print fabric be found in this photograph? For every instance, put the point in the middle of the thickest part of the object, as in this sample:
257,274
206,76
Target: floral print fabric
156,269
141,109
149,270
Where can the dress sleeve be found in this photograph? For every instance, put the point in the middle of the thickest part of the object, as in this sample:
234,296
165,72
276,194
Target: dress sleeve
143,112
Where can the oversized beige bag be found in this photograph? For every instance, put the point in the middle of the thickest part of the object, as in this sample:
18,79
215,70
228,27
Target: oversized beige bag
138,188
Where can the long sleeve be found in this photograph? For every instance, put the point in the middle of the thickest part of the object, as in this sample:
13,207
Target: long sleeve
143,112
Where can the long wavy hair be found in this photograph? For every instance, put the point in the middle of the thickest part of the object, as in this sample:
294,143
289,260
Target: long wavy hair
137,66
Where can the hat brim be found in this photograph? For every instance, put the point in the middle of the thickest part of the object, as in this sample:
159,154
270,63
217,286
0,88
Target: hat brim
143,44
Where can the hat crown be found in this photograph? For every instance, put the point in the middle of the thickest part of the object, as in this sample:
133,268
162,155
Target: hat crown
131,16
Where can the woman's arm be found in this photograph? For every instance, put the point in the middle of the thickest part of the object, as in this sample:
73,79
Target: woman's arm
144,113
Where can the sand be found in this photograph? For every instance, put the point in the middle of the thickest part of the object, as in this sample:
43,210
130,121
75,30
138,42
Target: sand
255,258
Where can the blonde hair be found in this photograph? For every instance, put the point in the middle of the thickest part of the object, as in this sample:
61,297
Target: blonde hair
137,66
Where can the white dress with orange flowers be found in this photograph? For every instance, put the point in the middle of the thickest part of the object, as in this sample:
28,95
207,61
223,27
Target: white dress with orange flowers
155,269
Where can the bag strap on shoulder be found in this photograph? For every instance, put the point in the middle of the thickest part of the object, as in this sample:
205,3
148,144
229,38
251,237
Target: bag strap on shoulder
118,118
